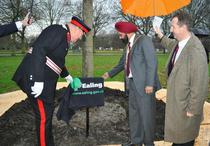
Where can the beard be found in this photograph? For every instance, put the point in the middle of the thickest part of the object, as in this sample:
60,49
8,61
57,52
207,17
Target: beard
125,40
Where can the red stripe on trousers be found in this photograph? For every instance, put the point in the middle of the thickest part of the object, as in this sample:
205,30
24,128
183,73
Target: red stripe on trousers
42,122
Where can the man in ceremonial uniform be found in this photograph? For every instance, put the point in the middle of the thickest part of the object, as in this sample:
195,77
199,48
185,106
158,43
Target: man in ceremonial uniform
140,65
14,26
38,73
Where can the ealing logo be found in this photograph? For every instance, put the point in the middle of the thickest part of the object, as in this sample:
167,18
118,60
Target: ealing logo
92,85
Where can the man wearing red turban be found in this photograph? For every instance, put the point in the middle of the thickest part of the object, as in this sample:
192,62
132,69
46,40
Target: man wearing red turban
140,65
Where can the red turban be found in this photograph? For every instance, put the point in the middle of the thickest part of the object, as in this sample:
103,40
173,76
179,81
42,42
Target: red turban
125,27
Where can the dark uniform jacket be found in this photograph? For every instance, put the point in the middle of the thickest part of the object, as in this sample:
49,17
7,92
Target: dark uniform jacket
52,42
8,29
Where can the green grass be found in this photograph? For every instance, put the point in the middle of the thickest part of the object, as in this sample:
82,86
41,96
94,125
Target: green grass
102,63
8,66
162,58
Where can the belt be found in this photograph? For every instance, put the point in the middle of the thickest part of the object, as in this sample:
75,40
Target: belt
52,65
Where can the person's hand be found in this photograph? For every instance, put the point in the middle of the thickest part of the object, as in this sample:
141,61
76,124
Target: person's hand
158,32
75,84
69,79
161,94
105,76
148,89
27,20
189,114
37,89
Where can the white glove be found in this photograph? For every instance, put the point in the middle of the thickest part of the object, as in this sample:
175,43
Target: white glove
69,79
37,88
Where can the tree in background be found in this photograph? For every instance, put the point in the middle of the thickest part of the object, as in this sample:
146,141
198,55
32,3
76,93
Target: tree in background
14,10
111,40
105,12
87,52
144,24
53,11
199,9
102,16
200,12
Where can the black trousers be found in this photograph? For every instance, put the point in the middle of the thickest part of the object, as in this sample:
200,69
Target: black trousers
191,143
43,119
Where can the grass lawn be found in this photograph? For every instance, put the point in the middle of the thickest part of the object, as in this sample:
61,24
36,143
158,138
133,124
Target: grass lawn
102,63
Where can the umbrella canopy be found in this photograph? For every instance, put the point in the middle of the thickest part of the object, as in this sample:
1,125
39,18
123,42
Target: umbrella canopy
146,8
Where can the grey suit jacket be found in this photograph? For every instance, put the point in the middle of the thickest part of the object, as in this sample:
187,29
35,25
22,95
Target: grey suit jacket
143,64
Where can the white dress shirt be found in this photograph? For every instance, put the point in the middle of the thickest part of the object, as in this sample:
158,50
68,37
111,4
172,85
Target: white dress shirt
131,41
19,25
181,45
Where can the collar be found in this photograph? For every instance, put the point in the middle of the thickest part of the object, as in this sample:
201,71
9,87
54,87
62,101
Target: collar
68,34
64,26
183,42
131,41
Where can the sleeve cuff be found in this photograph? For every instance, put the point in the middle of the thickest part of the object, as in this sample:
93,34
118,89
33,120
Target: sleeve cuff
19,25
161,38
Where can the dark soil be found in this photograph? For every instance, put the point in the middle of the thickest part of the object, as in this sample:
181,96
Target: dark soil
17,126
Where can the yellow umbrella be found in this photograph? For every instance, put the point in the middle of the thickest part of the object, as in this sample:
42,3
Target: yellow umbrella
146,8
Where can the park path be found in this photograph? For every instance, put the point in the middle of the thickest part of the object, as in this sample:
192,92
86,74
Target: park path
7,100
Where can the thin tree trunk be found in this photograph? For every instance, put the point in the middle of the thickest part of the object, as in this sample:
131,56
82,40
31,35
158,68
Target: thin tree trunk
87,52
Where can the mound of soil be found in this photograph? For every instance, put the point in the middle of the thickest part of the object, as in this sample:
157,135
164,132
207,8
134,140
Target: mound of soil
108,124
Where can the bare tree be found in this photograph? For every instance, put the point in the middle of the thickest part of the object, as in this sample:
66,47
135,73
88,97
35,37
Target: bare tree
200,12
101,14
53,11
76,8
144,24
14,10
11,10
102,17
